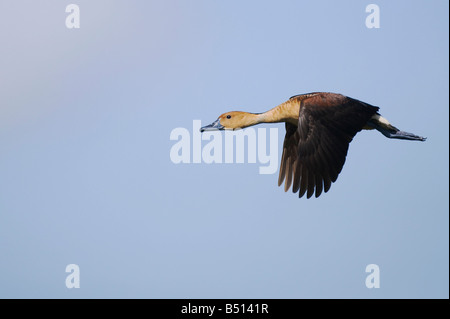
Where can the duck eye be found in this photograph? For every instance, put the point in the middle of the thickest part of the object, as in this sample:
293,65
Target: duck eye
228,116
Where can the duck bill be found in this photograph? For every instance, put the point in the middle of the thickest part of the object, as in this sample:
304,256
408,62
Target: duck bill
214,126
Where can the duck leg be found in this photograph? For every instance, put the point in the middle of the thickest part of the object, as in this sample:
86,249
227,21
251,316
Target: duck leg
384,127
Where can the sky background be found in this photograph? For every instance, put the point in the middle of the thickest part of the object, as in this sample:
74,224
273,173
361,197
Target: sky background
85,170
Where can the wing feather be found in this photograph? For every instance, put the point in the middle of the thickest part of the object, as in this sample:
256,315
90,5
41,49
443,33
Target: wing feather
314,151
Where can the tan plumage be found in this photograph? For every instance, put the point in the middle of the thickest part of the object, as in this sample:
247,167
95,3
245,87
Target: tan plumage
319,129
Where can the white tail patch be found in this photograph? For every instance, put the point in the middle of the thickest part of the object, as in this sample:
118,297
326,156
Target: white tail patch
381,120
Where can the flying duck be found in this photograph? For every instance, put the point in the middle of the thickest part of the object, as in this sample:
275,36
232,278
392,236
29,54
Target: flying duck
319,129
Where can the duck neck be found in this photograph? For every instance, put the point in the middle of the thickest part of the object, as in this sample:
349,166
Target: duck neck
250,119
285,112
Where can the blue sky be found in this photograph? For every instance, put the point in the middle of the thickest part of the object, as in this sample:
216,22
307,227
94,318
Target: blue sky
86,176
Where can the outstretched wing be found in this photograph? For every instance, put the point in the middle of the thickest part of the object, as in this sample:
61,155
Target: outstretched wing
314,152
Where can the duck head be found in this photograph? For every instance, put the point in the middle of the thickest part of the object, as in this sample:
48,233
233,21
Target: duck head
234,120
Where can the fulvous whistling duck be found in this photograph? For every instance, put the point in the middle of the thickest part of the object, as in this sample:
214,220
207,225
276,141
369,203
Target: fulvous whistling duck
319,129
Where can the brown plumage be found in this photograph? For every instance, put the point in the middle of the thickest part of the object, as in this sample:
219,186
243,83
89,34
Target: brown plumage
319,129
